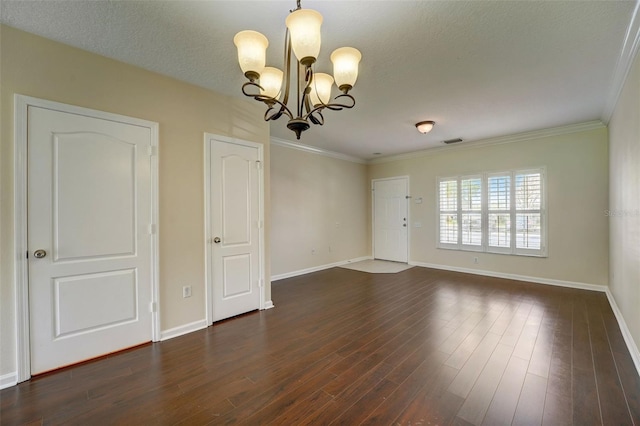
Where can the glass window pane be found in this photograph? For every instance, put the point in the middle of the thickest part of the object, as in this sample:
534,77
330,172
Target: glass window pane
449,195
499,192
528,231
472,229
499,230
471,194
449,228
528,191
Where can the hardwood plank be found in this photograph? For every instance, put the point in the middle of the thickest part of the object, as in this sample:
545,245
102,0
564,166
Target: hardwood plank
395,403
613,404
530,407
466,378
432,404
505,399
477,403
586,407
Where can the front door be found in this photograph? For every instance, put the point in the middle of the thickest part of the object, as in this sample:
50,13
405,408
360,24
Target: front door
89,236
235,224
390,220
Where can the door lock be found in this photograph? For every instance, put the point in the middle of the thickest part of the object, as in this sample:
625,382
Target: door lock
39,254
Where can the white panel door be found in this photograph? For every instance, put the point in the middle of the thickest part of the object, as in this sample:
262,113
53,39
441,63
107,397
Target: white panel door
89,216
390,220
235,214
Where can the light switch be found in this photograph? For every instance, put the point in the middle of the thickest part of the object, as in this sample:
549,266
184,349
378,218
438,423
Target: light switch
419,200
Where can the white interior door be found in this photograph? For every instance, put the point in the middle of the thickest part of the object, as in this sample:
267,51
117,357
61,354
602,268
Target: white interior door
390,220
89,236
235,223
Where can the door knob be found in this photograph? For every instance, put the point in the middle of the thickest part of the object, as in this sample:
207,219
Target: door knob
39,254
216,240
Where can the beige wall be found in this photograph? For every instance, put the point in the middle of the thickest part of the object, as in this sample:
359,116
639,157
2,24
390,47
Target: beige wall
624,202
318,203
577,195
37,67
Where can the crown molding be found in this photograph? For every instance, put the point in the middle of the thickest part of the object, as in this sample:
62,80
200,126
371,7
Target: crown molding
625,62
313,150
518,137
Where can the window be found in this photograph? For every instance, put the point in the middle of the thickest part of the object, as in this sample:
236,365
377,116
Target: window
493,212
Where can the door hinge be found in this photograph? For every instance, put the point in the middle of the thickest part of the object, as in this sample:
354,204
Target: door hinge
259,165
260,224
260,283
27,254
152,150
408,196
152,229
153,307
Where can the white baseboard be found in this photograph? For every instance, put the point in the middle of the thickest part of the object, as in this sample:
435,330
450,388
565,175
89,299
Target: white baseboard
626,334
8,380
183,329
539,280
268,305
317,268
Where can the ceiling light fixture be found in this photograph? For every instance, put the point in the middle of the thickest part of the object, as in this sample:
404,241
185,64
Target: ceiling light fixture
313,89
425,126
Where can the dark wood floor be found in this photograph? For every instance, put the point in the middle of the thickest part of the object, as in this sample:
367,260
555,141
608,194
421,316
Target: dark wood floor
422,347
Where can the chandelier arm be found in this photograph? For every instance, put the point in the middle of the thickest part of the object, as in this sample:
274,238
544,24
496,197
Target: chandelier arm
299,99
333,106
287,66
269,101
308,78
317,117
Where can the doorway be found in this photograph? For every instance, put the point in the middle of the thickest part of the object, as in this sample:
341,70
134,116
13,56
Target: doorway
234,226
390,219
86,214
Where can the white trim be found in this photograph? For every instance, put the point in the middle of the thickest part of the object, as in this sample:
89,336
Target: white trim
518,137
319,151
8,380
208,137
517,277
268,304
318,268
21,102
627,56
408,207
626,334
21,266
183,329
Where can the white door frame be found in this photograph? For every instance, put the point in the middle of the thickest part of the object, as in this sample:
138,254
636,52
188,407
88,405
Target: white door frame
208,241
20,173
373,215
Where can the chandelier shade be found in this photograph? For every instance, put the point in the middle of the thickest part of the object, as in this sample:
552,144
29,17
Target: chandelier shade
345,66
321,89
271,82
304,27
252,52
272,86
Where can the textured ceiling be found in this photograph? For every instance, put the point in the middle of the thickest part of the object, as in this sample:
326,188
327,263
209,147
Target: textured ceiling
480,69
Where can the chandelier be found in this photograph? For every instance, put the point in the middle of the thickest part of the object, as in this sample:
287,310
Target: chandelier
313,90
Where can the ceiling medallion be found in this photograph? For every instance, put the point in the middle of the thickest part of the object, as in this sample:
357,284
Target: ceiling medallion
313,90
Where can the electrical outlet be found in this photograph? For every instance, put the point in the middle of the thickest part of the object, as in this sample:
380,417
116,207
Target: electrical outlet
475,260
186,291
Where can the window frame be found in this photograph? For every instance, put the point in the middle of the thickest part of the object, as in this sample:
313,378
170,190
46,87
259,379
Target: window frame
512,211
